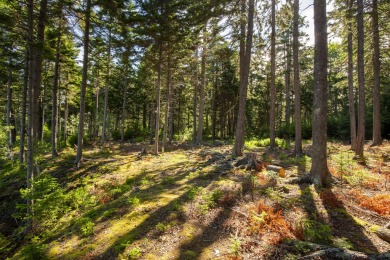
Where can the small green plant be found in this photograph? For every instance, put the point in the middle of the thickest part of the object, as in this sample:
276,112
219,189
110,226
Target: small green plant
161,227
235,246
84,226
79,198
191,193
48,197
167,181
315,231
135,253
133,202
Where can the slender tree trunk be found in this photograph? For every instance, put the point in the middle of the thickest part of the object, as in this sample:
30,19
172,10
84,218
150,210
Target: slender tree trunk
214,107
202,93
38,52
79,154
351,94
157,124
376,131
297,83
273,69
106,89
54,116
287,81
9,112
245,58
167,98
361,109
195,94
96,129
124,106
24,107
157,119
319,169
30,97
66,112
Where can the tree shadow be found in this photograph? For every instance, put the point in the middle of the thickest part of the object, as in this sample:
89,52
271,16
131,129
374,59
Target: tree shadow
210,234
343,224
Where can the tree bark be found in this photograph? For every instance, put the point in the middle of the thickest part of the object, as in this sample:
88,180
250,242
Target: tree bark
66,112
272,86
376,131
287,81
30,96
123,116
9,112
24,108
54,116
360,56
195,94
319,169
202,91
157,119
297,83
167,99
106,89
351,94
79,154
245,58
38,52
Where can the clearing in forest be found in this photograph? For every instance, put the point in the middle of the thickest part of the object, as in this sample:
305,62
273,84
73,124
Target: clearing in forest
200,203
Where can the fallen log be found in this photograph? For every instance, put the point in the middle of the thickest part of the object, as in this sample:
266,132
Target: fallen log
336,253
383,233
278,169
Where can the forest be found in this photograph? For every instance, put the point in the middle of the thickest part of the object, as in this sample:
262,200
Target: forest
179,129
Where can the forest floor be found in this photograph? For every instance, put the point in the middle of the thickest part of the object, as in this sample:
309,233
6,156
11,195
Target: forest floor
193,203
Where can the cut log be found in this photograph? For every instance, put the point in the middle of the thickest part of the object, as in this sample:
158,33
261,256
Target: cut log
278,169
383,233
387,225
336,253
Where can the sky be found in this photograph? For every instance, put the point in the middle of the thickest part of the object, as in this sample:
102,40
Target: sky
306,9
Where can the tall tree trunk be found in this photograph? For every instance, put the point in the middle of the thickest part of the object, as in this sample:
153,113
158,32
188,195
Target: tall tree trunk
38,52
376,131
245,58
201,92
9,112
287,81
195,94
96,129
79,154
360,59
54,115
106,89
167,98
297,83
319,168
157,121
66,113
123,116
272,86
30,109
351,94
214,107
24,107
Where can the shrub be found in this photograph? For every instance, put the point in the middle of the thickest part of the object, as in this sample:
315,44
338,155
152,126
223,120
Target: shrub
48,197
79,197
84,226
34,251
135,253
